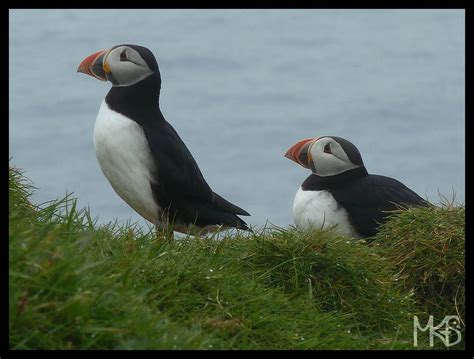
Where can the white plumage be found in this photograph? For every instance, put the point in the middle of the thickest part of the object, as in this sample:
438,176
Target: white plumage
319,209
125,159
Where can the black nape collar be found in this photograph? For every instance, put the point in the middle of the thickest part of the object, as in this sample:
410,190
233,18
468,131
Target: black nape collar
318,183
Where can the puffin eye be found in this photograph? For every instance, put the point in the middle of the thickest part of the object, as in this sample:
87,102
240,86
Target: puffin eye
123,56
327,148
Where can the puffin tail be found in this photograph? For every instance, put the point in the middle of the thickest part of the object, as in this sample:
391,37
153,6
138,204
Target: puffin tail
226,206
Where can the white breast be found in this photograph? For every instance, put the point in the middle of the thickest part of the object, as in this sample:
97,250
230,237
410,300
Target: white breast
318,210
125,159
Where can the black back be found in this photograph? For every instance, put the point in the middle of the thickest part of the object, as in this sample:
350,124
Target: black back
365,197
180,186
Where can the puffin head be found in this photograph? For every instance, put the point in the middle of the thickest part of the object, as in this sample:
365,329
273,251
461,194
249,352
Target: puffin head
326,156
122,65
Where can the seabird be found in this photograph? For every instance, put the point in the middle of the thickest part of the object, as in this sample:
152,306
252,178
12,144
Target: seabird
340,191
140,153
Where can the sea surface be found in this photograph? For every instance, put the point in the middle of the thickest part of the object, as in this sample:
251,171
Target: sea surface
240,87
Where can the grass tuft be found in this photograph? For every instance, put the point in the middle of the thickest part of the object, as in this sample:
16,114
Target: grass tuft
426,246
76,285
427,249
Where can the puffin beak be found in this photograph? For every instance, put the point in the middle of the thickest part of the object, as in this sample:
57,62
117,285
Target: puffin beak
94,65
299,152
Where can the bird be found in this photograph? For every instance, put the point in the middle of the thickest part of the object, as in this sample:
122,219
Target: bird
340,193
141,154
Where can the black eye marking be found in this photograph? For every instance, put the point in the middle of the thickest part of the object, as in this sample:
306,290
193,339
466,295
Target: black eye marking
123,56
327,148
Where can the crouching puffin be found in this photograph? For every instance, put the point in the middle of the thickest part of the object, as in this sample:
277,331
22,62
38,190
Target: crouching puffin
340,191
140,153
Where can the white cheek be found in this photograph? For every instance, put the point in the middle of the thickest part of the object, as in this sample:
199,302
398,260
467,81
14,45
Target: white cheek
330,165
327,165
127,74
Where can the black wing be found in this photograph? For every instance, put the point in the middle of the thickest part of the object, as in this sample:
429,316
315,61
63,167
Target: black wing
180,185
367,198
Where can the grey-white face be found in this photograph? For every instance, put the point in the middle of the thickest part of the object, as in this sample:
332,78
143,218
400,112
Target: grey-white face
326,157
124,66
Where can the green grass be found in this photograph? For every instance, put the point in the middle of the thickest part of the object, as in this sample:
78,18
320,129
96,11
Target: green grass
76,285
427,248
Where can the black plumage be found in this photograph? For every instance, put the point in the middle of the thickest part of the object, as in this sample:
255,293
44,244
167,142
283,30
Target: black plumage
179,186
368,199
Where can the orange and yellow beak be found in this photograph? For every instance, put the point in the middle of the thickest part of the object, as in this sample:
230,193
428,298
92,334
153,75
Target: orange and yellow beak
299,152
94,65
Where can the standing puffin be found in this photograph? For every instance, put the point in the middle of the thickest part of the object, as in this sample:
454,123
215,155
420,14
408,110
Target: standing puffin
341,192
140,153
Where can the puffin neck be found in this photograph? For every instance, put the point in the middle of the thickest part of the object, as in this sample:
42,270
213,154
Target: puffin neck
317,183
138,100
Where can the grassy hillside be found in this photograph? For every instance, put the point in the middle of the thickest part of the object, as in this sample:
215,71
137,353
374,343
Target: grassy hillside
76,285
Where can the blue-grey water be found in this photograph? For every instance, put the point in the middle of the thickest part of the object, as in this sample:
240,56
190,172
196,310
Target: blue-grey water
240,87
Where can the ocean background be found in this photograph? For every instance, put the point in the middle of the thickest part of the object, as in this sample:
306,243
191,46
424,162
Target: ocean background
240,87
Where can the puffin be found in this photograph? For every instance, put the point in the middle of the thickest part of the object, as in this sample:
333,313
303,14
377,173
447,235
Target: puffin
140,153
340,193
